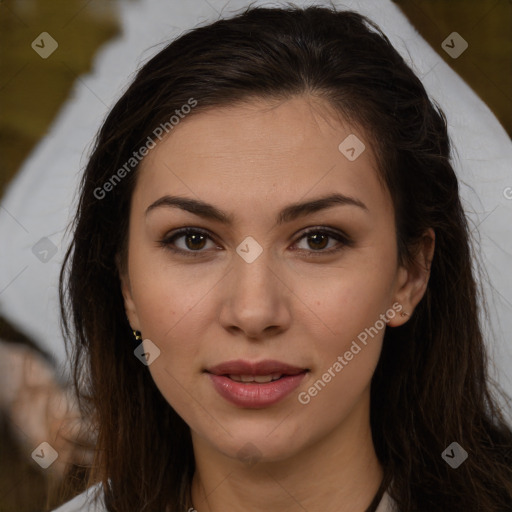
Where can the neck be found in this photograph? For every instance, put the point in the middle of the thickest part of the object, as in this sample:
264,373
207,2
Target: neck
338,473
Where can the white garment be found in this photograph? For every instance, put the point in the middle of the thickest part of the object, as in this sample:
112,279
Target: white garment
387,504
90,501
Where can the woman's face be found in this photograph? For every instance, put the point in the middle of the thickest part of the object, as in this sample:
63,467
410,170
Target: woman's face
248,285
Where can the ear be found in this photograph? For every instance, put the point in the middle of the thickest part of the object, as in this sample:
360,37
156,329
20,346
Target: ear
413,279
129,305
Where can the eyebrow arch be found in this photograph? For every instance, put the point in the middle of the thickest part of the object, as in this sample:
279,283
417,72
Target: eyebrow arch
287,214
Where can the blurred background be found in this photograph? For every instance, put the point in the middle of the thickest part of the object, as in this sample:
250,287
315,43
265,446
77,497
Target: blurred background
33,89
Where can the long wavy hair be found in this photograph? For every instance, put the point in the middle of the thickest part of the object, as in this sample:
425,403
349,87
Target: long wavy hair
431,385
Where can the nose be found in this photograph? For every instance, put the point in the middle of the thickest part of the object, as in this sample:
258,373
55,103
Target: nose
256,300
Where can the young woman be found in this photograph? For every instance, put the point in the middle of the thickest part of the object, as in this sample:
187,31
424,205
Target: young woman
270,289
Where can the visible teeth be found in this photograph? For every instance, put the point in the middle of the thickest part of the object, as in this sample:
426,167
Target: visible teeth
261,379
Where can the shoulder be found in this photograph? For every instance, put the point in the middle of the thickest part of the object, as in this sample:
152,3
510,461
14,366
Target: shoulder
90,500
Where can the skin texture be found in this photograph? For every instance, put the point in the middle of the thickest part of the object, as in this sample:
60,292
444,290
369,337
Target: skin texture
251,160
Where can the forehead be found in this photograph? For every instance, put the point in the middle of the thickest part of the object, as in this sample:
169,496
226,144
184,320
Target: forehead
262,150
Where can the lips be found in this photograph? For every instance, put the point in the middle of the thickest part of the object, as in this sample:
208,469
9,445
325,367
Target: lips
255,384
267,367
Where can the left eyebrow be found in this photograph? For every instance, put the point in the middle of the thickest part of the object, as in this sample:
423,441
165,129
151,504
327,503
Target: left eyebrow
287,214
294,211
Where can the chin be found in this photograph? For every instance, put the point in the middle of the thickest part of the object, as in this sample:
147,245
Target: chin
252,441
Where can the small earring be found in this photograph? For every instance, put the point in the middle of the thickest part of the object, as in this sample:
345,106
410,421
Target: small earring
403,313
137,335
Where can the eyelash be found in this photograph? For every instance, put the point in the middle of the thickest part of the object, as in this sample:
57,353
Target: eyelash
344,241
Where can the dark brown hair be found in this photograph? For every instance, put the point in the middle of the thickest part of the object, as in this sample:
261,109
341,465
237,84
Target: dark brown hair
430,387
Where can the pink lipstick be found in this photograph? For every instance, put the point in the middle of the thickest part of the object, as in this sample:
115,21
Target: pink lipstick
255,385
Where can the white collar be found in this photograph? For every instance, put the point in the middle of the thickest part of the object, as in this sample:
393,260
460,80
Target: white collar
387,504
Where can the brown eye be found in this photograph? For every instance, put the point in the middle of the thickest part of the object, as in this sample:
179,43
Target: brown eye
317,241
194,241
188,241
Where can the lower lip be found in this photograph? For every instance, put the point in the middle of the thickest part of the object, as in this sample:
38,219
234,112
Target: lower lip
255,395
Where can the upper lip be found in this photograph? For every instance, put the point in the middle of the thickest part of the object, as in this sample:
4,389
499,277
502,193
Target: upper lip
266,367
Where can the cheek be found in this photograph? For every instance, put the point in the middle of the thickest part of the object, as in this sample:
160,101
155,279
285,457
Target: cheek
347,352
168,295
348,299
174,307
173,313
353,308
328,398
